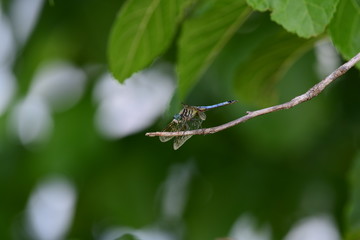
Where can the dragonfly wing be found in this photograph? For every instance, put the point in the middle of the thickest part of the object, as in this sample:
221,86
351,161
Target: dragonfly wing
202,116
195,122
192,124
172,127
180,140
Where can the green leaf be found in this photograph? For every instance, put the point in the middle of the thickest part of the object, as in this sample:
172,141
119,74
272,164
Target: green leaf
345,28
261,5
306,18
259,73
353,214
204,36
142,31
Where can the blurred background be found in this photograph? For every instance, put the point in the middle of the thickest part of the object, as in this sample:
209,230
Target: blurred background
75,162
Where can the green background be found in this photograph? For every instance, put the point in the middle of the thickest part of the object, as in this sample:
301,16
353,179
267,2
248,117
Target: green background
278,168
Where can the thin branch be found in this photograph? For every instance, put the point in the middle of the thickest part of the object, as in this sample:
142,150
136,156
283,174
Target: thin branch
311,93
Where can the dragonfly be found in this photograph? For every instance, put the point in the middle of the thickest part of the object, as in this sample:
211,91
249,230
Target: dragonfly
189,118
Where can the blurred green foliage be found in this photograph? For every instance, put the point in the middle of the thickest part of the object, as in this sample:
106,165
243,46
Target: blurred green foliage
279,168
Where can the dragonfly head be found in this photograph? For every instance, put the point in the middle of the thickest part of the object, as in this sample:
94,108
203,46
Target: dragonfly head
177,117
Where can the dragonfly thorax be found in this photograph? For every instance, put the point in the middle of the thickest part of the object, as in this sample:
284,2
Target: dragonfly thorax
187,113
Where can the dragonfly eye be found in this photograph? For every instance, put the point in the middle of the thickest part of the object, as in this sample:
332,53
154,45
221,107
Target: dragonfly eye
177,117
